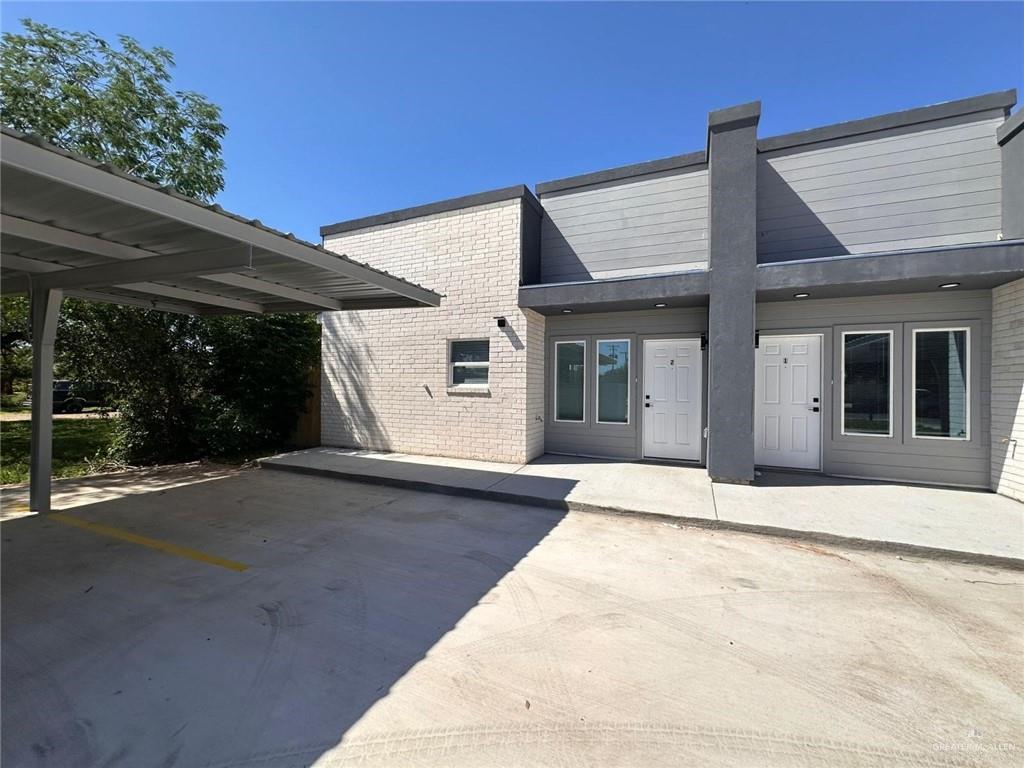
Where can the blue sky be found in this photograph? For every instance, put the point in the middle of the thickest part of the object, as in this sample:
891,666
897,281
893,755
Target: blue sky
343,110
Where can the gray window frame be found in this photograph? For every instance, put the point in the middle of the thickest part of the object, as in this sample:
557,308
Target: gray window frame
629,382
554,378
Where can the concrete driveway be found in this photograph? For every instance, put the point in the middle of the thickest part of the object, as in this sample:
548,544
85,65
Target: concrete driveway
271,619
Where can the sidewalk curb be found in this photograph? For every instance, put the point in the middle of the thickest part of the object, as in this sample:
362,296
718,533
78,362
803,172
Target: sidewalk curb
831,539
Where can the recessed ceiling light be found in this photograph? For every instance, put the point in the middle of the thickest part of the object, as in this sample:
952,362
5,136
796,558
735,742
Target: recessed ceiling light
566,311
801,295
659,306
950,285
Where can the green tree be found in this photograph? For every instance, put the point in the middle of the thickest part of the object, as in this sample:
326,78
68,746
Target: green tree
192,386
187,386
15,353
112,105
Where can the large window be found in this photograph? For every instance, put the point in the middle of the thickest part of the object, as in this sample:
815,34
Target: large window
469,363
941,391
613,381
867,383
570,375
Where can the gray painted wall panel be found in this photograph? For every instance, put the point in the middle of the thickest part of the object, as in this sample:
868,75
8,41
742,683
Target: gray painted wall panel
905,163
652,225
588,438
959,182
609,238
611,194
886,140
645,216
625,199
624,258
637,268
655,321
809,243
789,196
877,223
661,260
1011,135
872,215
901,457
936,185
529,234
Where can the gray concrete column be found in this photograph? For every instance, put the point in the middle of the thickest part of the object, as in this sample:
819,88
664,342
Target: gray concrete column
732,164
45,314
1010,136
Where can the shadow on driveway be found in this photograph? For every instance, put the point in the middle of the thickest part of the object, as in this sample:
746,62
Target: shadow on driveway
116,654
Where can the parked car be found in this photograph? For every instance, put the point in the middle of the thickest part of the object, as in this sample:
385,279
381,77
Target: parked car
73,396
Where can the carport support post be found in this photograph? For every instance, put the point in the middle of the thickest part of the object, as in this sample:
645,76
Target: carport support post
732,164
45,313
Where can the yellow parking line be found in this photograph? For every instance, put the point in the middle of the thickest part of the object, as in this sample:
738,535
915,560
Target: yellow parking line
145,541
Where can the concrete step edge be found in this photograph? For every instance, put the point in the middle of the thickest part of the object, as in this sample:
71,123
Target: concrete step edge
820,537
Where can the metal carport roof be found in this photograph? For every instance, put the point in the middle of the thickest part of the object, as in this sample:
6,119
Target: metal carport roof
61,211
71,226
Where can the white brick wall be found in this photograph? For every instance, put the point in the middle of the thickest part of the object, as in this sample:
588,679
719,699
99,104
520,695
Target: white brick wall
385,372
1008,389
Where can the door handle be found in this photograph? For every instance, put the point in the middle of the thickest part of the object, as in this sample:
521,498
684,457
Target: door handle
816,409
647,405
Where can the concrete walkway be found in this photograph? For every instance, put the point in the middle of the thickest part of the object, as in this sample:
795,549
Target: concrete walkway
952,523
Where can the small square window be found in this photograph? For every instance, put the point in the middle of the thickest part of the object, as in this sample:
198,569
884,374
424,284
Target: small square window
469,363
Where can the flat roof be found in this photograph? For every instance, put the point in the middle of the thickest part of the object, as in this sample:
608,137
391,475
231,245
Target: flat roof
442,206
674,163
1003,100
99,233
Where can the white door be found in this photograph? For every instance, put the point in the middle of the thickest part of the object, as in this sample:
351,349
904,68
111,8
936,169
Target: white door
787,404
672,399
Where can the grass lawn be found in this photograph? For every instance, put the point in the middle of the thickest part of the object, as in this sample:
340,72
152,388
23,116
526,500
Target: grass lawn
74,441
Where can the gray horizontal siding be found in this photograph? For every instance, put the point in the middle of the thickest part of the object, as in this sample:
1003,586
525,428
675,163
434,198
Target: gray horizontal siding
920,187
901,457
652,225
579,440
589,438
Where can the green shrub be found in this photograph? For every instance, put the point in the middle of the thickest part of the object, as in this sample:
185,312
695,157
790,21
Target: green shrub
188,387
